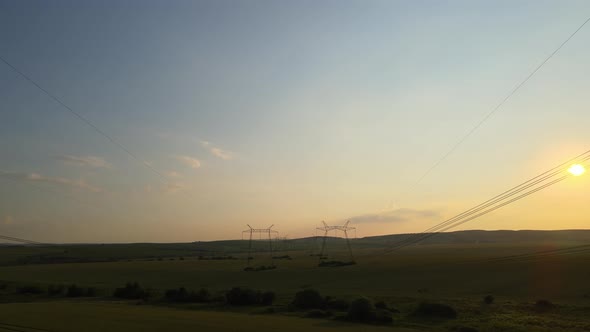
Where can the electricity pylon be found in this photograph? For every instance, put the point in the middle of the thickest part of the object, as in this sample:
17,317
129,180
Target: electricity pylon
344,228
260,231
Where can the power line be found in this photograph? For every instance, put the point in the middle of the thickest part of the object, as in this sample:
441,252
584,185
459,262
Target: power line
86,121
510,94
458,223
527,188
25,241
545,253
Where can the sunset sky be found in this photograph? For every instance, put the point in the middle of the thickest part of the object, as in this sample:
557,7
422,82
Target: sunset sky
286,113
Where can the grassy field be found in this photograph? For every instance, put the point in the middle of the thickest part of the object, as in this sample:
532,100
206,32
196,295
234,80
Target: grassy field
99,317
459,275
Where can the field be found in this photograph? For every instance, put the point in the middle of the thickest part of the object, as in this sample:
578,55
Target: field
459,275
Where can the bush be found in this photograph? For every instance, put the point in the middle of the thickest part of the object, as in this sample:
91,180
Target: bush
435,310
242,296
335,263
75,291
362,310
383,316
287,257
488,299
55,290
30,289
336,304
260,268
132,291
309,299
382,305
184,296
267,298
316,313
246,296
71,291
543,305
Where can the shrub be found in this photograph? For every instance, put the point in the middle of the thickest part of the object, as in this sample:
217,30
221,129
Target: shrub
337,304
488,299
55,290
309,299
184,296
435,310
267,298
203,295
382,305
91,292
131,291
335,263
362,310
241,296
287,257
260,268
29,289
383,316
543,305
316,313
75,291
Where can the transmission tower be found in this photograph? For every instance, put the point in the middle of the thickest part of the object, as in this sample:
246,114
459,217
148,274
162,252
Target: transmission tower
344,228
251,231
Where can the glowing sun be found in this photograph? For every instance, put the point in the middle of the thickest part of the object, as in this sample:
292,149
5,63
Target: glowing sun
577,169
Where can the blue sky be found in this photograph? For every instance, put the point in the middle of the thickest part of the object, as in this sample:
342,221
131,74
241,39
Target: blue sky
286,113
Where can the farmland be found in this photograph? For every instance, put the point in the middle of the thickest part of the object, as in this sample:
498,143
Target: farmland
457,274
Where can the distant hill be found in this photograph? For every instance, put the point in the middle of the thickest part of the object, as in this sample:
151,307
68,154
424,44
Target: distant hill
232,249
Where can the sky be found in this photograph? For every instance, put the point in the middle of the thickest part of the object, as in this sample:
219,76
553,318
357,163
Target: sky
285,113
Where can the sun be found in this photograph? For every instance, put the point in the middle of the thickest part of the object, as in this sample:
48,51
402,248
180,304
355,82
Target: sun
576,169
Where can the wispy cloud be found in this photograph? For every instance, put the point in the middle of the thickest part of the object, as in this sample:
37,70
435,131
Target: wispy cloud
217,151
189,161
173,187
173,174
396,216
87,161
55,181
167,189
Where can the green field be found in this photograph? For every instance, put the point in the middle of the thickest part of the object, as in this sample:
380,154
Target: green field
459,275
97,317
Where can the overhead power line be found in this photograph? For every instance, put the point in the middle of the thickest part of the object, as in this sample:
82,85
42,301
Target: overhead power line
580,249
499,105
524,189
19,240
86,121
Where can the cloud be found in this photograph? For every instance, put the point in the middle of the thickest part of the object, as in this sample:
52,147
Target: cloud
396,216
216,151
87,161
168,188
189,161
173,174
56,181
172,188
